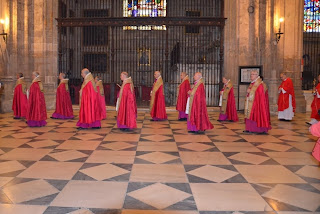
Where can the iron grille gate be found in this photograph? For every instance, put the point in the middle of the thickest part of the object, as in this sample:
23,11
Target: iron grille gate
111,36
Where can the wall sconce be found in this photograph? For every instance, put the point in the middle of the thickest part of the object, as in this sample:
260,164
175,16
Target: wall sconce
3,34
278,35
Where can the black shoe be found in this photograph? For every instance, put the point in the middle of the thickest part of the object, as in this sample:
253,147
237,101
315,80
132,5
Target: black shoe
219,120
245,131
152,120
183,119
262,133
200,132
16,118
80,128
53,118
124,130
309,124
96,127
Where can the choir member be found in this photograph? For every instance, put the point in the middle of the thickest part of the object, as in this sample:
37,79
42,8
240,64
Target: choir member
198,119
257,115
126,104
63,101
37,112
101,97
157,103
182,97
89,115
20,100
227,102
286,99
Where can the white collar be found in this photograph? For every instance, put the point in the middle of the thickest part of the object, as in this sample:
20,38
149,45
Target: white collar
21,78
87,74
158,77
199,79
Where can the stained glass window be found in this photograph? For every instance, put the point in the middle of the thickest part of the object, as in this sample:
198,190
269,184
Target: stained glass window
144,8
311,16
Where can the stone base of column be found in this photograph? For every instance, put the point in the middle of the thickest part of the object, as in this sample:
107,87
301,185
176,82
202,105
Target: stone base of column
300,101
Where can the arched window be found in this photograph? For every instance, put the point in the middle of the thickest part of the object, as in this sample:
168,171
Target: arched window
311,16
144,8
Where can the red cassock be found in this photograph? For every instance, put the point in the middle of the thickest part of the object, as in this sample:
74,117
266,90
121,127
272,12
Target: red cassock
157,103
63,102
89,117
20,101
228,105
283,100
258,119
101,100
37,112
127,107
231,110
183,88
198,119
315,106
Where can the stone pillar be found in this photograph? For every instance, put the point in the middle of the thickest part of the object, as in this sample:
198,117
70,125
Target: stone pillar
32,46
231,42
291,45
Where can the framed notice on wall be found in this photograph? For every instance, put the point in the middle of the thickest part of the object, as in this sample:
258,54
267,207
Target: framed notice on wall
244,81
245,71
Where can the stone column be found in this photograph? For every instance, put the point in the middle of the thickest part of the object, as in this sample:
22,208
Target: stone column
292,46
32,46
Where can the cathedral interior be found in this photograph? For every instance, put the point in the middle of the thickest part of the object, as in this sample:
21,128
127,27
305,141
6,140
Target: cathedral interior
159,167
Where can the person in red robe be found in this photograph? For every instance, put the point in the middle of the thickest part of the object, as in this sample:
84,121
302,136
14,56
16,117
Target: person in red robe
37,112
63,100
256,112
101,98
126,104
198,119
286,99
315,105
182,98
89,115
227,103
315,131
20,100
157,102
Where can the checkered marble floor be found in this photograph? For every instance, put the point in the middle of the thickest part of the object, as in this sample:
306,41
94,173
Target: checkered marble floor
158,168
